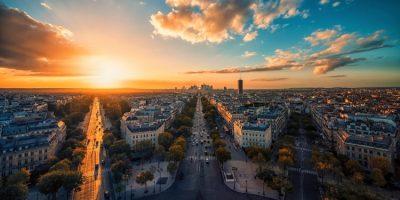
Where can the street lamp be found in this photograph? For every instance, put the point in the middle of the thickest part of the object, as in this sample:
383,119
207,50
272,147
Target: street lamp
246,185
154,191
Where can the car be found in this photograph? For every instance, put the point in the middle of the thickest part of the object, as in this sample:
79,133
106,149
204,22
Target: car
106,194
207,161
102,162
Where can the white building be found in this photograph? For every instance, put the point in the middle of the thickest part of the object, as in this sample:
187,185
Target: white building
134,133
248,134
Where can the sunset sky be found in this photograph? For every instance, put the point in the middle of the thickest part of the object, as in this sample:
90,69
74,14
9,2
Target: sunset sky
165,44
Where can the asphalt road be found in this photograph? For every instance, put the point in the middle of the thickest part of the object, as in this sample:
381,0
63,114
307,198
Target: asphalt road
305,186
200,180
93,178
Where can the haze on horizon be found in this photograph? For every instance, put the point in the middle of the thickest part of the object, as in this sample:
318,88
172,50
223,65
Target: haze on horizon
175,43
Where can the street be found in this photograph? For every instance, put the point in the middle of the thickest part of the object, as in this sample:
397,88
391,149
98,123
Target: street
92,169
195,178
302,174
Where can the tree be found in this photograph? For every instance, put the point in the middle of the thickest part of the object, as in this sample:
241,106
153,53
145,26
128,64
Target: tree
120,146
166,139
222,155
108,140
181,142
280,183
353,166
260,160
14,192
16,187
143,177
21,177
63,165
357,177
176,153
120,168
285,157
378,178
71,181
218,143
144,148
380,163
50,182
172,167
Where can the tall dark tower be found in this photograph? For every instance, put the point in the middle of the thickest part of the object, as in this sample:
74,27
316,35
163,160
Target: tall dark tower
240,86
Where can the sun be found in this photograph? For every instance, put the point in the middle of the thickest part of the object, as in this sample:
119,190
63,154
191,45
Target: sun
106,73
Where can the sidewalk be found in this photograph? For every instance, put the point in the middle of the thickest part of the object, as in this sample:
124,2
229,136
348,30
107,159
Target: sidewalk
136,191
244,174
245,181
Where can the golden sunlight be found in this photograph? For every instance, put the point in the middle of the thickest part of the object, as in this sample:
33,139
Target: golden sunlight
105,72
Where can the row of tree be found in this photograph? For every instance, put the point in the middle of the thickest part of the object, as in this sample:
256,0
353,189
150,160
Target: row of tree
119,151
219,145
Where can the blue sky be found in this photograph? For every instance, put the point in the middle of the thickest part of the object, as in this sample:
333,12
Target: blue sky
350,42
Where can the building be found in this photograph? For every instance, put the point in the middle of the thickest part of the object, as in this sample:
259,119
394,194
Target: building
363,147
135,133
249,134
240,86
28,145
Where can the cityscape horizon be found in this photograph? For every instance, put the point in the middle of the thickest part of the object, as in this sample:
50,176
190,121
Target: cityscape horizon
199,100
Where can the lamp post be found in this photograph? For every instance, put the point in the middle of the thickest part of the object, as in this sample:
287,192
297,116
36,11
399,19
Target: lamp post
263,188
246,185
159,179
154,191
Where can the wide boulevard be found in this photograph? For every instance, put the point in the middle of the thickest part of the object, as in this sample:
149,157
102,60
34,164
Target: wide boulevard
199,175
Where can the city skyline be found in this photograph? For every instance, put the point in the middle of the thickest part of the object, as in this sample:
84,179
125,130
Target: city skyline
167,44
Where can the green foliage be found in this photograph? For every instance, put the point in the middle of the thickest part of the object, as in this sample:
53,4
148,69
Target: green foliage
63,165
222,155
16,187
171,167
380,163
253,151
108,139
144,148
166,139
120,146
120,167
378,178
175,153
143,177
218,143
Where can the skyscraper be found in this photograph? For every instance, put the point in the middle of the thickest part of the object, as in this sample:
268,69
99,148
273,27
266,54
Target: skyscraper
240,86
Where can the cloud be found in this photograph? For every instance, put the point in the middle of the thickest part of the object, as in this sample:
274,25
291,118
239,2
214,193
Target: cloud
322,66
249,54
37,46
323,2
283,58
337,76
269,79
336,54
336,45
45,5
215,21
321,36
275,27
336,4
266,12
250,36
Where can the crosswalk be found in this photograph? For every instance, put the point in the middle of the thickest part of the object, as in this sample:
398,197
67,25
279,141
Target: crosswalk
305,171
200,158
304,149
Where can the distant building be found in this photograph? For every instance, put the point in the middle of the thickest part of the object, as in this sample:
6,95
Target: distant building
240,86
248,134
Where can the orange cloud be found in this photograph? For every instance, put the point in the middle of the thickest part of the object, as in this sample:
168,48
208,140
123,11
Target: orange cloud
37,46
215,21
